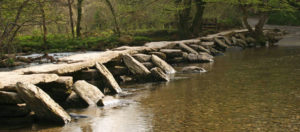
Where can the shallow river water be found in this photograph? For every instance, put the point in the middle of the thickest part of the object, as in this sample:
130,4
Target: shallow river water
245,90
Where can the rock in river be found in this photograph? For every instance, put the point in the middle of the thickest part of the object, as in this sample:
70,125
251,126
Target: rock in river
88,92
113,85
163,65
142,57
159,75
193,69
44,107
135,66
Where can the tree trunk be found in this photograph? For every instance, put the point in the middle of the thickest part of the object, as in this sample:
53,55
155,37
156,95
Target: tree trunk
71,18
184,17
259,30
197,22
79,15
42,4
117,28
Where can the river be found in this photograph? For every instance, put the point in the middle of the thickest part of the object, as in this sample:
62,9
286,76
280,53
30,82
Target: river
245,90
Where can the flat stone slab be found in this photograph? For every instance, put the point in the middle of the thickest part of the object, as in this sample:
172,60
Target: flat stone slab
11,79
113,85
163,65
135,66
88,92
159,75
42,104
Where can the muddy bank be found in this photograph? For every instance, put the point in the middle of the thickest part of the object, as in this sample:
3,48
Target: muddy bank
92,78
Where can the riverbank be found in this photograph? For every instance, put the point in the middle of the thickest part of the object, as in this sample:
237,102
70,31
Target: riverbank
107,69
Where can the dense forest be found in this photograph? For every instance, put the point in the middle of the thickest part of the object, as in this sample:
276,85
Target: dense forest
72,25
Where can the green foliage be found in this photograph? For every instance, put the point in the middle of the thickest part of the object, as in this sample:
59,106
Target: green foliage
285,18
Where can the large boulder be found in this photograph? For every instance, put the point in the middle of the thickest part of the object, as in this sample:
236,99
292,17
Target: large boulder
159,54
42,104
200,48
172,52
135,66
149,65
110,80
88,92
142,57
186,48
193,69
159,75
227,40
200,57
10,98
163,65
221,44
208,44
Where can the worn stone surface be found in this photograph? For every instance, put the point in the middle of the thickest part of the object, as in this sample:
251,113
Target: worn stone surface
41,103
149,65
110,80
172,52
186,48
193,69
11,79
163,65
221,44
13,110
159,54
227,40
142,57
89,93
119,70
200,58
207,45
159,75
177,60
200,48
135,66
10,98
241,43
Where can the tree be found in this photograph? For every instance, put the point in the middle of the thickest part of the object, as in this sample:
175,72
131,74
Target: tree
184,10
263,8
185,27
71,17
10,25
117,28
43,15
197,22
79,15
